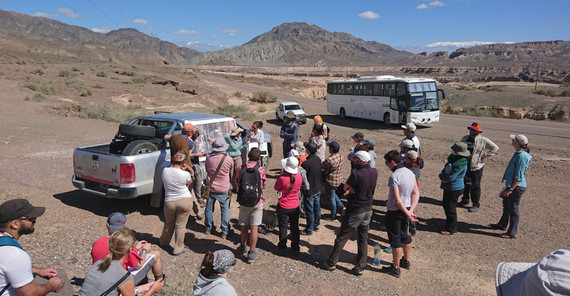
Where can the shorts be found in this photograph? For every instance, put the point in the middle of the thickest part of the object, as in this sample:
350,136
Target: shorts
397,228
250,215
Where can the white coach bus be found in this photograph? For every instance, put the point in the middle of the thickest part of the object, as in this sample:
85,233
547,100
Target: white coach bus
385,98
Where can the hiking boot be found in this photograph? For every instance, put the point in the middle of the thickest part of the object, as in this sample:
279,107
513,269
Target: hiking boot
395,272
306,232
208,230
405,263
242,250
357,271
251,256
473,209
224,235
462,203
330,268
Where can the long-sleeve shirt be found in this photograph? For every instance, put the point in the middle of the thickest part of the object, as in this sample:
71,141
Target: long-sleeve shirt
332,169
478,155
453,173
289,132
516,169
236,146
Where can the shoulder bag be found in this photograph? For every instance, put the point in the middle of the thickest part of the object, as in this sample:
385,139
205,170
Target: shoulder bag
206,189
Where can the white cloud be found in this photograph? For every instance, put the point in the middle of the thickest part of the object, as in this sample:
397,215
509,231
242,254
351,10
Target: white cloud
103,30
228,30
437,4
186,32
68,12
422,6
139,21
371,15
460,44
44,14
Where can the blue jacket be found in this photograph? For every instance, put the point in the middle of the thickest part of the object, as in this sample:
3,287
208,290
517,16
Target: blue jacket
453,173
289,131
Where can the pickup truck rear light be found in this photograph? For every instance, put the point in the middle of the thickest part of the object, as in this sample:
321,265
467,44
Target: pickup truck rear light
127,173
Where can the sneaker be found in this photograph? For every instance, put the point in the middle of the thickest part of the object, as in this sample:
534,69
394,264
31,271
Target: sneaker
317,229
306,232
405,263
462,203
473,209
251,256
497,226
224,235
208,230
242,250
342,211
391,271
330,268
388,250
186,249
357,271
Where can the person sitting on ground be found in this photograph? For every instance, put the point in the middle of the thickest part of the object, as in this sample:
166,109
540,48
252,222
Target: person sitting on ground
250,217
17,275
177,204
137,263
108,277
212,279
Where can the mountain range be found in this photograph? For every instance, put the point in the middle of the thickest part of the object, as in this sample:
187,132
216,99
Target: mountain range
304,45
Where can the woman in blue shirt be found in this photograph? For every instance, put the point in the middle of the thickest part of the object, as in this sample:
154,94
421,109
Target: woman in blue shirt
515,186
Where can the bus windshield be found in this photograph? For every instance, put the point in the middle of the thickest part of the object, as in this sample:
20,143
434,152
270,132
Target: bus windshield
423,96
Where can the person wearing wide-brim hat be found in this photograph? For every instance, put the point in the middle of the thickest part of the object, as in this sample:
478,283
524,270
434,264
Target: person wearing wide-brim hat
236,147
289,132
451,177
287,186
515,187
480,148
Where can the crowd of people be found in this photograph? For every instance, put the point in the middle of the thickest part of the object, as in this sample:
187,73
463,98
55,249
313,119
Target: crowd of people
308,176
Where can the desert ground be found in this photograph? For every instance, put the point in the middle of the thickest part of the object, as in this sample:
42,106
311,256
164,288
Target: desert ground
38,138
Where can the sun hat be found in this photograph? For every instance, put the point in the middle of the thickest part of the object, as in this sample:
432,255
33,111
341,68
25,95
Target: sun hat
475,126
409,126
521,139
363,155
334,145
223,261
293,152
116,221
459,148
219,145
550,276
311,147
413,155
369,142
300,148
15,208
235,131
290,114
407,143
358,135
290,165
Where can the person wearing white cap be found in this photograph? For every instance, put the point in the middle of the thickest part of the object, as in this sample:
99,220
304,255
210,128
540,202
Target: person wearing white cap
410,133
360,185
368,146
515,187
288,185
550,276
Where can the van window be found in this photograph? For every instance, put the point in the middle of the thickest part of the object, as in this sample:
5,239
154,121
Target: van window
211,130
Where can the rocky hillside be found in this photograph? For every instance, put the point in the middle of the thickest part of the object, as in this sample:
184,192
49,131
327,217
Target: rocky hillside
21,26
300,44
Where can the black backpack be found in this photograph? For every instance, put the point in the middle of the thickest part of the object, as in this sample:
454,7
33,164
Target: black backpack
249,190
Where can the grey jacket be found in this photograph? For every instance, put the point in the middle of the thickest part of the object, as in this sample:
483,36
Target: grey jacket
479,154
216,286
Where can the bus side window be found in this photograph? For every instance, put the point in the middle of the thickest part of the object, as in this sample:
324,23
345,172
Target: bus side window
377,91
401,91
393,104
368,87
348,89
391,89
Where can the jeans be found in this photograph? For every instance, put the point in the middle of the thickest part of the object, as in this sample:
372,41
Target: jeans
330,192
287,147
474,187
291,217
350,222
450,208
224,199
313,211
511,213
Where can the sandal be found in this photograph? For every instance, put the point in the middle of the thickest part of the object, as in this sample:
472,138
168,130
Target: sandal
497,226
506,235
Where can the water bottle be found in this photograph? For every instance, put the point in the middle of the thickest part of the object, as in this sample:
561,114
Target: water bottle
377,251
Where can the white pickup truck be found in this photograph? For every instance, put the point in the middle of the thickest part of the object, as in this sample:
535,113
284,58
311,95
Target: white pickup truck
131,164
281,111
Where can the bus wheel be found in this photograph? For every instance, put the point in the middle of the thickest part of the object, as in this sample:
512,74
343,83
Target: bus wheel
387,120
342,113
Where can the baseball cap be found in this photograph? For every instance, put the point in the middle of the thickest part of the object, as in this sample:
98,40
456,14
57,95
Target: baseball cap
116,221
407,143
521,139
223,261
550,276
334,145
363,155
369,142
358,135
16,208
409,126
413,155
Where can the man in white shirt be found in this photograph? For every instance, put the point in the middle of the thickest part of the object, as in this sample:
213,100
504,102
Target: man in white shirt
410,133
18,217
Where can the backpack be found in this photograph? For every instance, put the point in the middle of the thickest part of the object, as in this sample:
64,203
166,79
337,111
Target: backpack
328,133
249,190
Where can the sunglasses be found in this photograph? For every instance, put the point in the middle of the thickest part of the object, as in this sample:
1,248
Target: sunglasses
31,219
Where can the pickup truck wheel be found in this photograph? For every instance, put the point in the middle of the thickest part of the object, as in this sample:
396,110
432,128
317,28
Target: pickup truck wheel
139,147
146,131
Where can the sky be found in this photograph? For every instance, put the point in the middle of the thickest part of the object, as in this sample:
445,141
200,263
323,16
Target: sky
397,23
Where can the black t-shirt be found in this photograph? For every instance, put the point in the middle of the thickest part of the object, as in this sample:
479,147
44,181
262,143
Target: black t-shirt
470,144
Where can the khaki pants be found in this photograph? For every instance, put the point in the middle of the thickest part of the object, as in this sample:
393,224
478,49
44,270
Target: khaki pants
175,219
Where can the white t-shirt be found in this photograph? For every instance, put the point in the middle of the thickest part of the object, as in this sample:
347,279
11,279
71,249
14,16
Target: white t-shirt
174,181
405,180
15,268
416,142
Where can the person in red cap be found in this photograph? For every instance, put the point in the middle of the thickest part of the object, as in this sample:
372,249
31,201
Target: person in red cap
480,148
17,276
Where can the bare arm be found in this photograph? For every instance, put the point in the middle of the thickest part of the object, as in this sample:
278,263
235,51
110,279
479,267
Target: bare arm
32,289
415,198
409,214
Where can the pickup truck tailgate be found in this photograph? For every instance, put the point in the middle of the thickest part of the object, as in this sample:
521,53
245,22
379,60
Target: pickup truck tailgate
93,165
